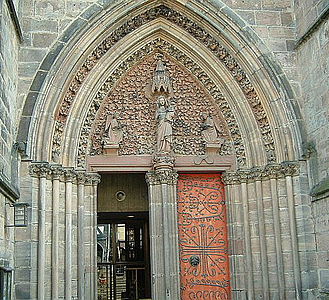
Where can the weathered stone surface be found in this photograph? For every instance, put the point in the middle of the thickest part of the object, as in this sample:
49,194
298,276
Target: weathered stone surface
271,25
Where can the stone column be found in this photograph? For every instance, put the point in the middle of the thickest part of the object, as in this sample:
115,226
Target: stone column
270,230
164,233
42,232
74,241
262,237
95,182
294,240
56,173
88,236
69,176
277,234
81,235
247,240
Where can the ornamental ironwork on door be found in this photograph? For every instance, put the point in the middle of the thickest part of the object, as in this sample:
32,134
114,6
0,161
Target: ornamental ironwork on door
203,244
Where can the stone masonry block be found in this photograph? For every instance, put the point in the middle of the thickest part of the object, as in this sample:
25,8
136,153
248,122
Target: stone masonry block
248,16
43,39
322,241
306,242
324,279
50,9
240,4
269,18
32,55
51,56
72,29
91,11
39,25
276,4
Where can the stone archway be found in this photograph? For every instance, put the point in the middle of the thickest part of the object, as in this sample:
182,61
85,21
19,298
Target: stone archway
259,154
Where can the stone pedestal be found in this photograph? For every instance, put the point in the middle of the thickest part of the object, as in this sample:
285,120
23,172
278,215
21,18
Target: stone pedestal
213,148
111,149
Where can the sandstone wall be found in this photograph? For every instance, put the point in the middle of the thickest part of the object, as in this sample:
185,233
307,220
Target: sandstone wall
313,69
9,45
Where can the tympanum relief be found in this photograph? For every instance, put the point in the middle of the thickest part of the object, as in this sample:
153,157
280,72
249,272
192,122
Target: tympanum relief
159,108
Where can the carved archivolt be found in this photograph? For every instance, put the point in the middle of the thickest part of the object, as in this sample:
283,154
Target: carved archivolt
137,111
197,32
270,171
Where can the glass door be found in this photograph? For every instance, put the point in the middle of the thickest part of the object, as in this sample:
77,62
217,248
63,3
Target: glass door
123,259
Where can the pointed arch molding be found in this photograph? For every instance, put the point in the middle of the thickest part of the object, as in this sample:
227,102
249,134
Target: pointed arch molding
275,122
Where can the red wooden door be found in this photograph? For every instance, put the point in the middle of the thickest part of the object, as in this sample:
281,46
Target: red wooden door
202,225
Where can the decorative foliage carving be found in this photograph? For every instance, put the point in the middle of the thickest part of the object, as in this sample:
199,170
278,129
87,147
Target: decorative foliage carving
55,171
270,171
163,161
203,37
166,176
189,99
39,170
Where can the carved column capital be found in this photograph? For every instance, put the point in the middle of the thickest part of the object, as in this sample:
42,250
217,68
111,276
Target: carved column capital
81,177
270,171
56,171
230,178
93,179
291,168
255,174
162,177
40,169
69,175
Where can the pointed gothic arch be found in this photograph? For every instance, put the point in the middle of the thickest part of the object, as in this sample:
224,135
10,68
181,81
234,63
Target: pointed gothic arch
241,69
213,46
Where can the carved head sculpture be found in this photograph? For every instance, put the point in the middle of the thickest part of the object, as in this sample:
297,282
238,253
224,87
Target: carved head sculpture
204,116
160,67
163,101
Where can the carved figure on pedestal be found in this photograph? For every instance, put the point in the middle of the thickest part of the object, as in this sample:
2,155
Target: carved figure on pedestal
164,118
210,133
113,130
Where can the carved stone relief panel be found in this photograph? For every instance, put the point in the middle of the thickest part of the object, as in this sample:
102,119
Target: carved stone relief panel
199,33
135,108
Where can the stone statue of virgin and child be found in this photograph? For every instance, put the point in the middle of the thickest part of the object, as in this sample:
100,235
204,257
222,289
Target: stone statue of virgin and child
164,117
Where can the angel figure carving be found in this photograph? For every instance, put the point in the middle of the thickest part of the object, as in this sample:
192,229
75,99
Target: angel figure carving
210,130
113,130
164,118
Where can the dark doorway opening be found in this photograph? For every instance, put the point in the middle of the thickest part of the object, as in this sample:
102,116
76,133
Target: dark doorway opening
123,256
